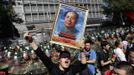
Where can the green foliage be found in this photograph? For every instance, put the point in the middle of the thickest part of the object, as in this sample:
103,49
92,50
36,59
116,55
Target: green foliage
121,5
1,8
7,29
117,9
8,9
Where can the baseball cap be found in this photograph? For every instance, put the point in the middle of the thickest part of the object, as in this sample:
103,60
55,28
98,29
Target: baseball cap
65,54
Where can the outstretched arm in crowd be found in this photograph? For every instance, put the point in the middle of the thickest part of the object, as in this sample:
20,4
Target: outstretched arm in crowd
46,60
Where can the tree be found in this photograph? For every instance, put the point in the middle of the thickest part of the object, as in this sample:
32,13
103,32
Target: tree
7,16
119,8
121,5
13,16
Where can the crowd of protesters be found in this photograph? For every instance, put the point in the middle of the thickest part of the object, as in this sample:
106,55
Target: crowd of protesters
107,52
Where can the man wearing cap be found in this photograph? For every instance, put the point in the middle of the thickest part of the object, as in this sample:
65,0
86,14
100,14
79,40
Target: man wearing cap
64,67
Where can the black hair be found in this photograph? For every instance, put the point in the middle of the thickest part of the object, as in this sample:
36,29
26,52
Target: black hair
104,43
131,49
117,43
88,41
77,15
99,39
123,65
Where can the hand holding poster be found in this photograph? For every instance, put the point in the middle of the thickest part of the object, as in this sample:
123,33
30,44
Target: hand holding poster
69,26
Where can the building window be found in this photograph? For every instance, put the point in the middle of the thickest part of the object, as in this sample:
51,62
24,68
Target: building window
34,9
28,18
40,8
41,17
27,9
35,18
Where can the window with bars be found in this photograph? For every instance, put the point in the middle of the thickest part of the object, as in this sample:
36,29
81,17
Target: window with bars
28,18
41,17
35,17
27,9
34,8
40,8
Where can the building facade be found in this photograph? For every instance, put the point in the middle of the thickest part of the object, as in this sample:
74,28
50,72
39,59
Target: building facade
39,14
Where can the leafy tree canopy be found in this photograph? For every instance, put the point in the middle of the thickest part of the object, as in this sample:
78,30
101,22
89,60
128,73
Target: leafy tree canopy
121,5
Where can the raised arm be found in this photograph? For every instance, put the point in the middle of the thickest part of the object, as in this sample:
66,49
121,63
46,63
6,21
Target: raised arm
46,60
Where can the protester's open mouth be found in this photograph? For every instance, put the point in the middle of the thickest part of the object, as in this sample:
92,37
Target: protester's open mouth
66,62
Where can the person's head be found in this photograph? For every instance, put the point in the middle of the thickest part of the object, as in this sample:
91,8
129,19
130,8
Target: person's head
9,61
26,56
64,59
98,40
34,56
105,45
123,68
17,62
118,44
88,44
70,19
131,55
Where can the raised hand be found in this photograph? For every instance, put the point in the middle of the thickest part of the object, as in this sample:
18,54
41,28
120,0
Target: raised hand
27,36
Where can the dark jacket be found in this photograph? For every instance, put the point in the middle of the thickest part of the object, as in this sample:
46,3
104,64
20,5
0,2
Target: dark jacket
54,68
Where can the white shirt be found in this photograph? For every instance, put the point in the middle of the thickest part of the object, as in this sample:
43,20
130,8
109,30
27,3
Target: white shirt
120,55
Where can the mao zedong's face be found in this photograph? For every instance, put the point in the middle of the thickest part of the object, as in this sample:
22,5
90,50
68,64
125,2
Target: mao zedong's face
70,20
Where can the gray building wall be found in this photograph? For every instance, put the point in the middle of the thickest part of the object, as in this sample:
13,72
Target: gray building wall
38,14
